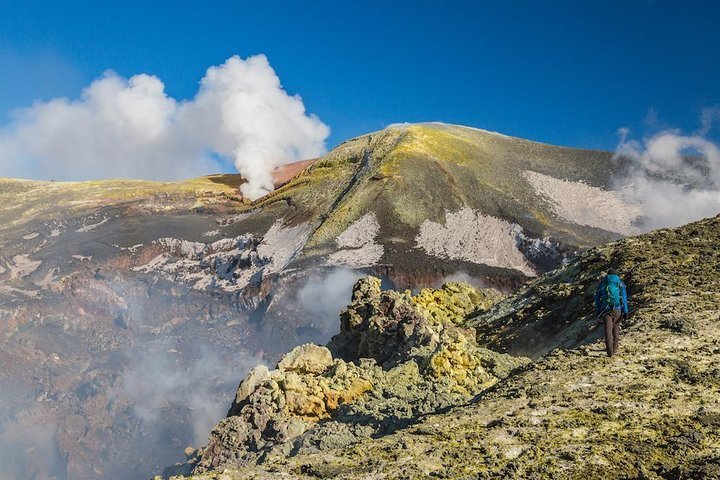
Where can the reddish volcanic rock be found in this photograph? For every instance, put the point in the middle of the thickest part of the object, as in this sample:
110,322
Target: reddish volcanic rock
284,173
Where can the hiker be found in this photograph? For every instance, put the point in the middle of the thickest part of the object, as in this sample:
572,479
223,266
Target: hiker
611,305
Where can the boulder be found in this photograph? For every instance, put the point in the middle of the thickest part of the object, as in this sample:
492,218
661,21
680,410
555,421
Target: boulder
308,358
251,380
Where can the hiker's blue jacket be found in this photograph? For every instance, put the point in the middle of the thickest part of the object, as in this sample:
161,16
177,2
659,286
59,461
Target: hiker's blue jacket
601,303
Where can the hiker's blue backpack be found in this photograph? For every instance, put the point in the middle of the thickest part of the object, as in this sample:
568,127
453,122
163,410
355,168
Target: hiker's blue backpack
611,295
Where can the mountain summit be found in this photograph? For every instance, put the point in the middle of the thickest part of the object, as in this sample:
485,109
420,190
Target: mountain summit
108,286
450,198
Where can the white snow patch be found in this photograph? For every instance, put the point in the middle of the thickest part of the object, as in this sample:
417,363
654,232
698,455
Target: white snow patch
359,248
211,233
82,258
182,248
230,263
153,264
281,244
471,236
360,233
92,226
30,236
21,266
584,204
225,244
55,232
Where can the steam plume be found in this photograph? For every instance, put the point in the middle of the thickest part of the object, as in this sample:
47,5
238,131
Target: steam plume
160,381
323,296
131,128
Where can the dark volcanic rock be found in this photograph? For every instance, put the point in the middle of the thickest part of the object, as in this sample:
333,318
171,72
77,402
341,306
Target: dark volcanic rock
117,297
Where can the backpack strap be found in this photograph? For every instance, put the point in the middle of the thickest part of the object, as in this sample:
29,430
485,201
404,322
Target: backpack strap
624,299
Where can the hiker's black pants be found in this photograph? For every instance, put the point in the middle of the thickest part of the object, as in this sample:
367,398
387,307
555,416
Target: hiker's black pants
612,331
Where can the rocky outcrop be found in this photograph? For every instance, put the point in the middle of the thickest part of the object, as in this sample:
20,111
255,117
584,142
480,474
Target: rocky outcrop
126,266
652,411
396,358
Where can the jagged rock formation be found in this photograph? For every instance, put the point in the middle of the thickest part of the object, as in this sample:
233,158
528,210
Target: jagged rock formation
100,279
652,411
396,357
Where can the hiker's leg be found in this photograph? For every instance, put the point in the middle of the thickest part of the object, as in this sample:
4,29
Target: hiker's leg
609,334
616,329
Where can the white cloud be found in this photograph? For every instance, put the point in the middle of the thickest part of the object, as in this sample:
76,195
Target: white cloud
708,117
674,177
131,128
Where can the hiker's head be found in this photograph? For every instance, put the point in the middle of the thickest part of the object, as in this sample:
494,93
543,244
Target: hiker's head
612,271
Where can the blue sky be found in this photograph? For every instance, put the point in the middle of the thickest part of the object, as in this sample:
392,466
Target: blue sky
562,72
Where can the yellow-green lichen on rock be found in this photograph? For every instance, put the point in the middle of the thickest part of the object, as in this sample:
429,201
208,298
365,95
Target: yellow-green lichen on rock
396,356
652,411
25,200
454,301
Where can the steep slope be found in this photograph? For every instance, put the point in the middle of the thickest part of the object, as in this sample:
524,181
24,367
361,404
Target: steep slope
455,198
109,288
652,411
